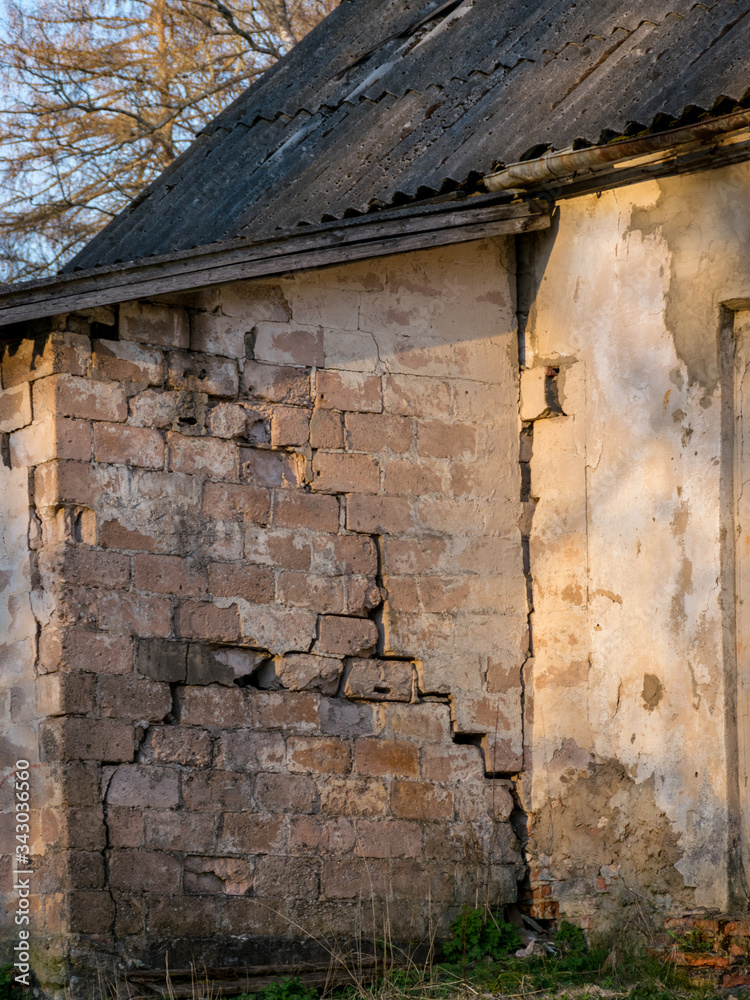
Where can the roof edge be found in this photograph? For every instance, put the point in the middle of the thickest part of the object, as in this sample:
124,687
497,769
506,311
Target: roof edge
411,228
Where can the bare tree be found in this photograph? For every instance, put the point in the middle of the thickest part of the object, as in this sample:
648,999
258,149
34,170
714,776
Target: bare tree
97,97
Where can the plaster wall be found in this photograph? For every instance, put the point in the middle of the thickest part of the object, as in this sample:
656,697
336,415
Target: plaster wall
632,786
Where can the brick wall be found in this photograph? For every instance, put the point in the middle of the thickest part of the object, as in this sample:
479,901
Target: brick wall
281,605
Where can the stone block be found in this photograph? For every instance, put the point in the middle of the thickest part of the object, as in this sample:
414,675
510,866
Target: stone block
228,420
180,830
381,757
127,361
421,800
204,620
326,429
50,438
306,672
66,694
341,636
15,407
190,747
279,630
416,395
292,509
238,580
271,468
284,793
379,680
204,667
243,833
254,302
428,722
290,426
163,574
124,827
318,755
144,787
154,323
388,838
347,718
311,834
168,918
134,698
441,439
297,878
230,876
214,706
106,740
334,472
36,358
324,594
250,751
217,791
343,390
293,711
120,444
223,501
376,432
533,393
288,344
202,456
276,384
162,660
216,376
378,515
217,334
408,478
90,912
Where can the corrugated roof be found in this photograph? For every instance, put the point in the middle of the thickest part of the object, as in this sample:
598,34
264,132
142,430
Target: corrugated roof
391,100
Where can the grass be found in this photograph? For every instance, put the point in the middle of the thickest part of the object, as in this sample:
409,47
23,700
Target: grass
479,963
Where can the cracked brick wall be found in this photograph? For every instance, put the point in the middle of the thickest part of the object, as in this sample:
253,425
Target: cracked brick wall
278,584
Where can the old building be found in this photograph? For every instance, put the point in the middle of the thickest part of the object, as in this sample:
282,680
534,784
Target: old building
374,514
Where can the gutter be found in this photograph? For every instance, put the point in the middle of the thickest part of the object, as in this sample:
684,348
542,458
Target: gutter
567,164
395,231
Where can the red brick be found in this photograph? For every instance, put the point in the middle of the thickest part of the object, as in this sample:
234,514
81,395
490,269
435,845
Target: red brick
134,698
382,757
168,830
153,323
388,838
420,800
378,515
78,649
60,352
133,870
53,437
283,793
305,590
346,636
318,754
230,502
290,425
287,710
69,396
126,361
348,391
217,791
373,432
144,787
326,429
253,583
87,739
169,575
203,620
439,439
412,479
292,509
213,375
345,473
276,384
15,408
204,456
214,705
270,468
281,343
122,445
243,833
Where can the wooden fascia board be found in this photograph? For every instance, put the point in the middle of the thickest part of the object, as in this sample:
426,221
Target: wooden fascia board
357,240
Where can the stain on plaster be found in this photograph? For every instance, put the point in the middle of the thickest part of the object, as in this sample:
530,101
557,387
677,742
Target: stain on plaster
653,691
690,314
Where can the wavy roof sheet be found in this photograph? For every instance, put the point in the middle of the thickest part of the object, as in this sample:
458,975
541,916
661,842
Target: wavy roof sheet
392,100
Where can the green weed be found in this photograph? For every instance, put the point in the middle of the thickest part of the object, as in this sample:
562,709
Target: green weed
479,934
